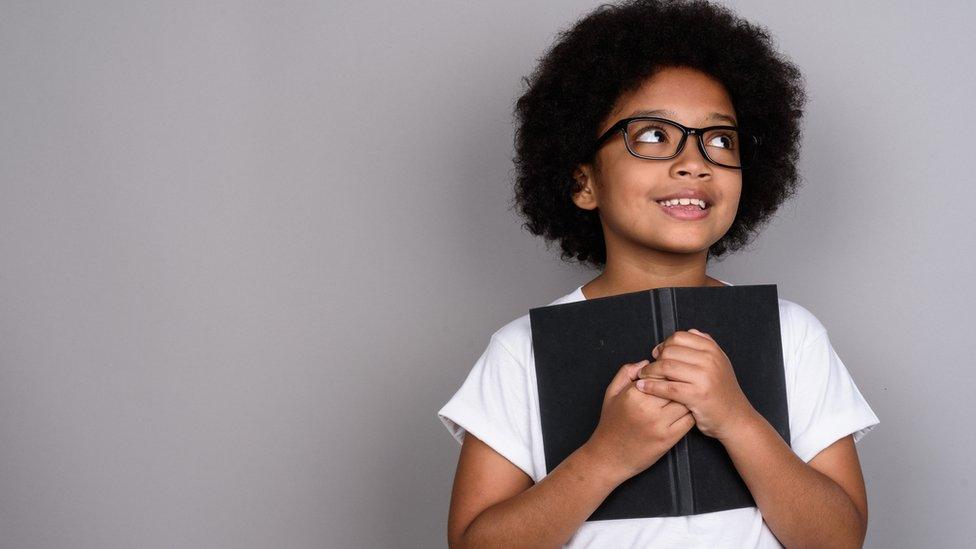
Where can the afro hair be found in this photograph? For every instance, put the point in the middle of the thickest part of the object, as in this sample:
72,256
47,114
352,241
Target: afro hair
611,51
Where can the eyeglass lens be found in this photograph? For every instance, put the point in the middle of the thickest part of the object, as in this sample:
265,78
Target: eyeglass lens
659,139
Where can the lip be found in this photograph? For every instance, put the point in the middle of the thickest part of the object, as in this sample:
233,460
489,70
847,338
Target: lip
678,212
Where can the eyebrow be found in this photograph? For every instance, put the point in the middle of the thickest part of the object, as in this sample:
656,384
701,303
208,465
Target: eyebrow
711,115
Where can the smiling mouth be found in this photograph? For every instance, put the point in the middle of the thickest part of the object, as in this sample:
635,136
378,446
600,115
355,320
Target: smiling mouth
700,203
685,212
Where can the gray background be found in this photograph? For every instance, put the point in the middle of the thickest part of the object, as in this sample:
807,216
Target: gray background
248,249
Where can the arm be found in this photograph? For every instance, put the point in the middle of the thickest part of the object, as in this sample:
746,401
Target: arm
820,504
495,504
817,505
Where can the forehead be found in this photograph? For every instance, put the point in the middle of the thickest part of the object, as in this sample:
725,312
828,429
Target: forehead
690,94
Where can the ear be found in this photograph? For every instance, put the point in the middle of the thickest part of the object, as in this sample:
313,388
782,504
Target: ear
585,193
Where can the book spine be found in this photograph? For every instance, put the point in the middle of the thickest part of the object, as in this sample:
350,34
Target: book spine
681,489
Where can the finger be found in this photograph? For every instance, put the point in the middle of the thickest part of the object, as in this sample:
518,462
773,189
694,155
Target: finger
703,334
671,390
648,371
682,338
684,354
626,375
670,369
660,402
673,409
683,423
655,351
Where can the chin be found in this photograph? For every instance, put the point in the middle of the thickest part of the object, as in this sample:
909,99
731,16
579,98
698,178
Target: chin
683,248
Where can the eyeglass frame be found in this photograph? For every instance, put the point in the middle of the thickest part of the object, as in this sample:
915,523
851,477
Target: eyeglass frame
621,126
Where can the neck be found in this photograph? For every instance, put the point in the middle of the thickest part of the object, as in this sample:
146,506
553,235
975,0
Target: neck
660,271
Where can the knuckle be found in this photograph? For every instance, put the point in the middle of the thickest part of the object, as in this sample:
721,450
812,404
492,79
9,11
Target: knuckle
648,405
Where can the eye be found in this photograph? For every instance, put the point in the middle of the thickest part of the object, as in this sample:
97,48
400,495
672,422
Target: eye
722,141
651,134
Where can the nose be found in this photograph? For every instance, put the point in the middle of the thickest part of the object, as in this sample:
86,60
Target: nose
691,160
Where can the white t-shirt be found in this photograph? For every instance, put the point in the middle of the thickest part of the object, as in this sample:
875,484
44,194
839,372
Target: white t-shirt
498,402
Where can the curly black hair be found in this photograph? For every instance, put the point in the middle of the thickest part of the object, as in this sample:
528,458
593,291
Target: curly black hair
611,51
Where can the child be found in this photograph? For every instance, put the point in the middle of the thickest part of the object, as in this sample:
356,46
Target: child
613,163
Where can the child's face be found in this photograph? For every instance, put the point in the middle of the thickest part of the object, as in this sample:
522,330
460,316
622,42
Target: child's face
626,188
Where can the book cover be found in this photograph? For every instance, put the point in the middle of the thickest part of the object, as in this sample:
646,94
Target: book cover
578,347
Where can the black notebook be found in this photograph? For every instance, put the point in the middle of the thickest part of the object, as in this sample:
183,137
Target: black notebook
580,346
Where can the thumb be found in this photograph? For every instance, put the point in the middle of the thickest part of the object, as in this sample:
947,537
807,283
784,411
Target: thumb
625,376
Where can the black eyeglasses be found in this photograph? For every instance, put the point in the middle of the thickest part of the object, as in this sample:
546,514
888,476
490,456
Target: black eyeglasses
656,138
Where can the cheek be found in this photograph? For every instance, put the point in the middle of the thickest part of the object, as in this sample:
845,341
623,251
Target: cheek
730,197
634,188
633,205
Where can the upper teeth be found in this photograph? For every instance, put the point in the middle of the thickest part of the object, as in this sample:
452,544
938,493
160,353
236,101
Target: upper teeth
683,202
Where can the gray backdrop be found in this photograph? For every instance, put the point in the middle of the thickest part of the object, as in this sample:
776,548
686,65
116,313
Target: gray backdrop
247,250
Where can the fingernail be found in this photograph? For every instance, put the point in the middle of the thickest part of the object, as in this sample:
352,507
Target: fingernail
640,384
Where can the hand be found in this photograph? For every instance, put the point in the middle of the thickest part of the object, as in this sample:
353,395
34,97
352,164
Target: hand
635,428
692,369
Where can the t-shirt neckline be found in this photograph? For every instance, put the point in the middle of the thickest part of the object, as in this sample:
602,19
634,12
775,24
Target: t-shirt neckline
579,296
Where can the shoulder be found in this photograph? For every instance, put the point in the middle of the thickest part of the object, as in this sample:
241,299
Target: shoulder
799,326
515,339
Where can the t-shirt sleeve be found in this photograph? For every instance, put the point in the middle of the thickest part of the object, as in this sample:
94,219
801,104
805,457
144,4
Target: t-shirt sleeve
827,404
492,404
